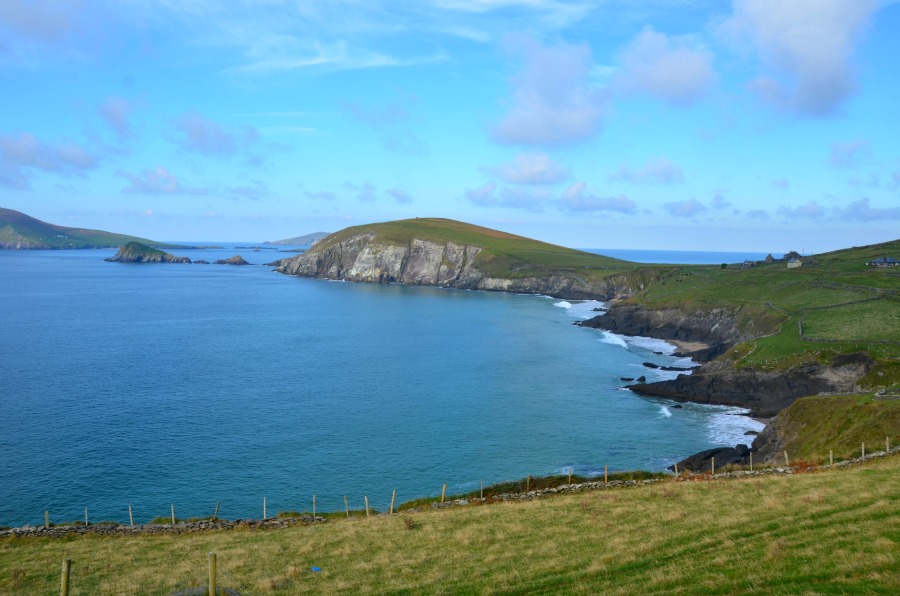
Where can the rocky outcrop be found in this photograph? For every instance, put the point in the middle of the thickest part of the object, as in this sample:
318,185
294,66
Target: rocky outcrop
365,258
721,457
235,260
135,252
764,393
717,327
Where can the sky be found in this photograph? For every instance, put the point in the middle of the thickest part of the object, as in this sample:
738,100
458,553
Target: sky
763,125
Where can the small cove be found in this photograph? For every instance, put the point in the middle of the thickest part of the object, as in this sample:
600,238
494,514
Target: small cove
192,384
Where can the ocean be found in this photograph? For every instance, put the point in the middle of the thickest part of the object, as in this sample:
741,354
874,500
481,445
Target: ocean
187,385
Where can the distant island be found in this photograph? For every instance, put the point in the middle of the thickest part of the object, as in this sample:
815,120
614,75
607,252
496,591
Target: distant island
23,232
135,252
307,240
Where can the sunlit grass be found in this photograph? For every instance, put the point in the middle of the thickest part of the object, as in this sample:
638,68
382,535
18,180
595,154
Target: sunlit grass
825,532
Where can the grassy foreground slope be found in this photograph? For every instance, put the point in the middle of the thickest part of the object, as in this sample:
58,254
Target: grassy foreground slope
18,230
830,532
834,303
504,255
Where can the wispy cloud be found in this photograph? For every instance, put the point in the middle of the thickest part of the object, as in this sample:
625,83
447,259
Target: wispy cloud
655,171
530,168
576,199
21,154
158,181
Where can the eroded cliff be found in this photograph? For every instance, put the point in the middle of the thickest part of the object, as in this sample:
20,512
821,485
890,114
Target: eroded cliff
367,258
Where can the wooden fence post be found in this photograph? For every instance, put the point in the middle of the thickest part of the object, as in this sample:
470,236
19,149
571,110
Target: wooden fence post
173,514
346,506
64,580
212,574
676,470
264,508
47,519
367,505
216,513
830,457
130,515
751,461
786,462
482,488
314,507
85,517
605,474
393,497
443,492
864,451
712,466
570,475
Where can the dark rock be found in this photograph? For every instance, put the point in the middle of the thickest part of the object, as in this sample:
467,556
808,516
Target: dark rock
642,379
651,365
751,433
201,262
627,379
235,260
677,407
764,393
702,462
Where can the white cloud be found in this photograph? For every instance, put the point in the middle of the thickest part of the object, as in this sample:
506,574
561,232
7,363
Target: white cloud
400,196
688,208
758,214
253,190
719,201
388,121
575,199
199,134
666,67
46,20
811,210
365,192
807,45
159,181
530,168
655,171
483,195
115,112
861,210
553,100
23,153
848,154
325,195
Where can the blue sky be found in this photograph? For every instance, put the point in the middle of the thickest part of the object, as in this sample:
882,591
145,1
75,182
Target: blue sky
765,125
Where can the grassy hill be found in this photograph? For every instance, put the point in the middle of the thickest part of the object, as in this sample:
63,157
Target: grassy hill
834,303
504,255
830,532
18,230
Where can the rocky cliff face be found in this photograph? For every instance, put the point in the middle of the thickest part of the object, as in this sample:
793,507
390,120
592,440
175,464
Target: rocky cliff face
717,327
764,393
364,258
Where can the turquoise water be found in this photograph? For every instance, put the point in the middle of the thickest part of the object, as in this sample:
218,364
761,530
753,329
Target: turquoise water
154,385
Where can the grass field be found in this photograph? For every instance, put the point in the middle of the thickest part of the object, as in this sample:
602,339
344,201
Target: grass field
841,304
828,532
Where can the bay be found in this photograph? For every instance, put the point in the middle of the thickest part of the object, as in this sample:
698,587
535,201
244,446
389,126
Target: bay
155,385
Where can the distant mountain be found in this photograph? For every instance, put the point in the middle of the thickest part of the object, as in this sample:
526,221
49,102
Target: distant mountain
19,231
307,240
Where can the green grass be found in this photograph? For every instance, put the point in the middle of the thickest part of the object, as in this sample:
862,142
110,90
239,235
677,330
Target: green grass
838,299
830,532
16,227
814,425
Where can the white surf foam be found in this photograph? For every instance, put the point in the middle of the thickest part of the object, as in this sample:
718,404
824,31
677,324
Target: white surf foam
563,304
651,344
729,427
612,338
666,413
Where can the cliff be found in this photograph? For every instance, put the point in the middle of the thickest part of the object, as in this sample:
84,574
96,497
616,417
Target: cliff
135,252
456,255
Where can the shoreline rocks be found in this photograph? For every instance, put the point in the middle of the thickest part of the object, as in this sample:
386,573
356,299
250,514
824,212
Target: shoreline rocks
135,252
